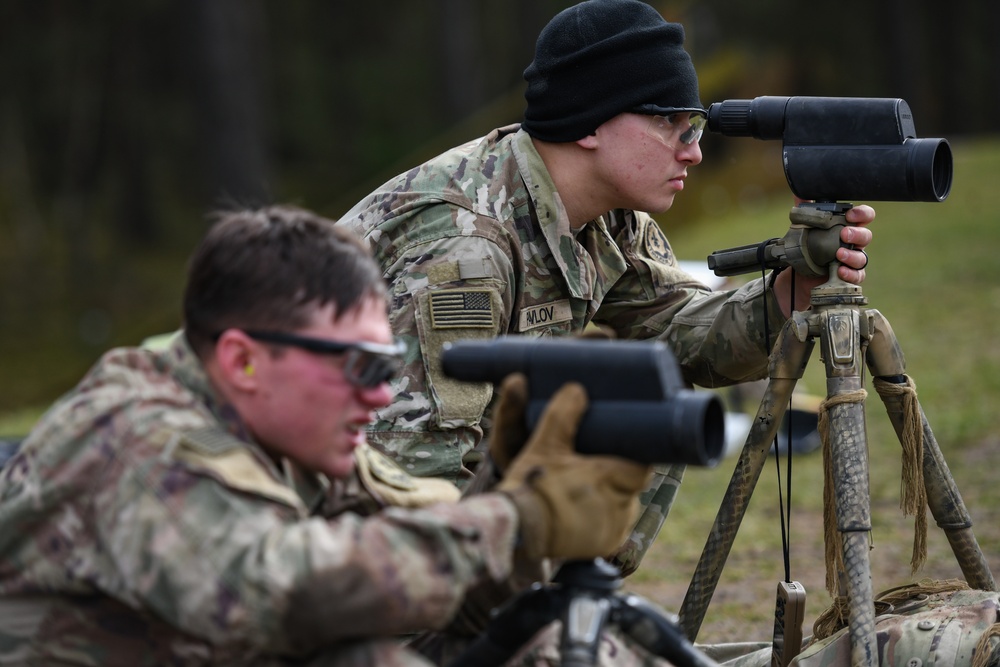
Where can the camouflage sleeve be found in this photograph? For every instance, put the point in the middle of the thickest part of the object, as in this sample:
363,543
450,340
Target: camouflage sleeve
454,288
717,337
655,502
213,544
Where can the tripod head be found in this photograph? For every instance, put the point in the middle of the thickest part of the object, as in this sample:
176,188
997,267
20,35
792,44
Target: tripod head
585,596
809,246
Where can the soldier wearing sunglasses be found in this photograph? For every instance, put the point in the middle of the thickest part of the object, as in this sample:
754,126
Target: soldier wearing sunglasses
544,228
214,501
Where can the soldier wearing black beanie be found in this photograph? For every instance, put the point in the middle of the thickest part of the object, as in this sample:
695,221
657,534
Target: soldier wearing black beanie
601,58
544,227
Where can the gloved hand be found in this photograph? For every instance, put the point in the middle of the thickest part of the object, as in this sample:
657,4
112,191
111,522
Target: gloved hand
510,431
571,506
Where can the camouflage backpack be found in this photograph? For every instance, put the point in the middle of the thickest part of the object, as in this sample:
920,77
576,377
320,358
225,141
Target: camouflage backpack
943,623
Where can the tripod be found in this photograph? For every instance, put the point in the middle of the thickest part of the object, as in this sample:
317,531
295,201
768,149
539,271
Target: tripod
850,336
584,595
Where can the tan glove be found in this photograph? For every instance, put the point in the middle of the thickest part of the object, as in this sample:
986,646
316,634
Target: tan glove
571,506
510,431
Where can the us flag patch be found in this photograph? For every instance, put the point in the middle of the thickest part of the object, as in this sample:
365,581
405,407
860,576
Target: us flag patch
453,309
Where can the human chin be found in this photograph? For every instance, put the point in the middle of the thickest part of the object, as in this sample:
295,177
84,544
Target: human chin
346,467
660,204
339,465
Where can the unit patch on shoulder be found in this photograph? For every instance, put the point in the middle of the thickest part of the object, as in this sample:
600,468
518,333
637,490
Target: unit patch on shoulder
461,308
656,243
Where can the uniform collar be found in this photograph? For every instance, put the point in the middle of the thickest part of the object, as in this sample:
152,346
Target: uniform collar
575,254
187,368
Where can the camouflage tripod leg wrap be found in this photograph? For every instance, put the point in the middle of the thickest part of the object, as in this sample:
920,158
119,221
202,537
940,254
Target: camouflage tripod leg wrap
849,467
885,360
656,501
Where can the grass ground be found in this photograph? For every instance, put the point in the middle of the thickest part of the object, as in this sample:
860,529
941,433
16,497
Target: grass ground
934,273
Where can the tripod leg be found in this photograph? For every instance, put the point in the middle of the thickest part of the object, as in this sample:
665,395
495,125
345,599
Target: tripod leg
885,361
837,322
951,516
849,459
788,362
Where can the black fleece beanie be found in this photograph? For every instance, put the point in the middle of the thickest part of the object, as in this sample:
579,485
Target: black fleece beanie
601,58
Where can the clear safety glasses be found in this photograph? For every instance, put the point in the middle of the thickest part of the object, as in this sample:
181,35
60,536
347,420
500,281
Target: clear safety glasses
679,128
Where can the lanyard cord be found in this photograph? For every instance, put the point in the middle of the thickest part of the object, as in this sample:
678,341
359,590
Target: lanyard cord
784,511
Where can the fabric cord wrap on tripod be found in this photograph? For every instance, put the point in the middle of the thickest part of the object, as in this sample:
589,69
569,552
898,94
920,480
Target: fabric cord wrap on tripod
913,497
914,494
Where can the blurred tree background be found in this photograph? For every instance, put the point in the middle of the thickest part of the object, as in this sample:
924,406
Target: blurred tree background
124,122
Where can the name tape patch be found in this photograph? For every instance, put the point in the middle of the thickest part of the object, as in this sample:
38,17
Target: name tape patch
544,314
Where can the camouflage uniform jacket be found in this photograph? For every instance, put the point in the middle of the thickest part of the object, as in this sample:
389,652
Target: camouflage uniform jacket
141,525
476,243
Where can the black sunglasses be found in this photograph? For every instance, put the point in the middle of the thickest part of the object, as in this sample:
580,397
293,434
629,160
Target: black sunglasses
367,364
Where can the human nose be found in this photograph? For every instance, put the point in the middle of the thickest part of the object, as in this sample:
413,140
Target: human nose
689,153
378,396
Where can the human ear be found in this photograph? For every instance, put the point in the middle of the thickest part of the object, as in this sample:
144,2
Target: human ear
589,142
237,358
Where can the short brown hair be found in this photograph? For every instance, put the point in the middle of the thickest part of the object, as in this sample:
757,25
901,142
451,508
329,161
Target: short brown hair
267,268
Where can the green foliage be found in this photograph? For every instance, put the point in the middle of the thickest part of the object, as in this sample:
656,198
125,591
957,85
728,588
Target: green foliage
19,422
